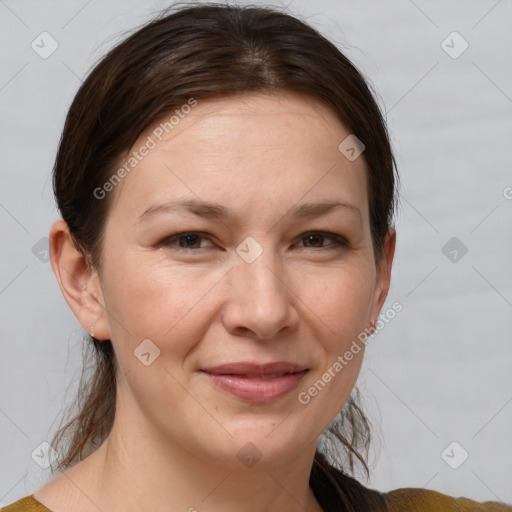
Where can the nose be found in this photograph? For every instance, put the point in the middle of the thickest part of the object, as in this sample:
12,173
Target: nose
260,301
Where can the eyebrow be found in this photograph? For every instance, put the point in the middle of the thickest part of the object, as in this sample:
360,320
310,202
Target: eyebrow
207,209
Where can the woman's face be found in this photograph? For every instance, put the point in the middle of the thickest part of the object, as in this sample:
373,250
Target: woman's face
237,269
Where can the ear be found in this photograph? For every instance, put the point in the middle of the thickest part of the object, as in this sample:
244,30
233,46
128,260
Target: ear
383,275
78,281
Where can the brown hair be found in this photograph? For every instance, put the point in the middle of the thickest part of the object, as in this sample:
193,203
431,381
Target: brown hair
204,51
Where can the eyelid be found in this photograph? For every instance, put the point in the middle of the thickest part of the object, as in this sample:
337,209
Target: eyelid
166,242
339,241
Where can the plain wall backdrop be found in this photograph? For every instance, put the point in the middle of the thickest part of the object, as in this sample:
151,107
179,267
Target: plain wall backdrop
440,371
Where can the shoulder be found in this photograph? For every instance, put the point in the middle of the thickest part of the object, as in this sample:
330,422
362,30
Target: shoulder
26,504
412,500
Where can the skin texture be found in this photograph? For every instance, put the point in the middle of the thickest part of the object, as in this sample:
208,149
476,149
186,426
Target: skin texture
176,435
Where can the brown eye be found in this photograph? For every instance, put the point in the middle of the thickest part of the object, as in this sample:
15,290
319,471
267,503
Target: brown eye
185,241
317,241
189,241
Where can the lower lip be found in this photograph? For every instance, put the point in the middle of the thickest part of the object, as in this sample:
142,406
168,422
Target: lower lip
258,390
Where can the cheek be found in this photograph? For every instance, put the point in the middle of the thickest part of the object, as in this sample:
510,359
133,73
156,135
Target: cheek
150,300
342,301
342,305
147,297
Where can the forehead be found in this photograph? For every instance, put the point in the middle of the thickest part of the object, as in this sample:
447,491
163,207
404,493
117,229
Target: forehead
256,118
227,148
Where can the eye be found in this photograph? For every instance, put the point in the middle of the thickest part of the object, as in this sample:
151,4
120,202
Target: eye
184,241
191,241
316,239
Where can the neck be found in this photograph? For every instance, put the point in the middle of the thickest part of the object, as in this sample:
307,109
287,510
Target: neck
137,468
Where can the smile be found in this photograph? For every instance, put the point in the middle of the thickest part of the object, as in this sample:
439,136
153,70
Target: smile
257,383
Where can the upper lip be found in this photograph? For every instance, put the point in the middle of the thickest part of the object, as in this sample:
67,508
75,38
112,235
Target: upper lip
254,369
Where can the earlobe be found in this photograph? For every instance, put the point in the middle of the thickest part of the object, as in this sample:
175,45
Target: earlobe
78,281
383,274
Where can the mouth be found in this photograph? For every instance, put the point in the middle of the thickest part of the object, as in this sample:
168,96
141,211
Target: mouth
257,383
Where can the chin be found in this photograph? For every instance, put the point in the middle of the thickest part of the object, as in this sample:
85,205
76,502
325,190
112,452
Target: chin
261,443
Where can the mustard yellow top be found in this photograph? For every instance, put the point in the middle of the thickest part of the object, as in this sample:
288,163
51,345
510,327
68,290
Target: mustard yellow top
400,500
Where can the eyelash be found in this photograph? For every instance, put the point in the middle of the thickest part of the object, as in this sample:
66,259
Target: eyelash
338,241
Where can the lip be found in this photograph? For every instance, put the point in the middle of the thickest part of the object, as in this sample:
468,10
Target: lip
258,383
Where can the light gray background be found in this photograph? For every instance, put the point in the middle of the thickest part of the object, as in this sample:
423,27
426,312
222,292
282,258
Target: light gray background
441,370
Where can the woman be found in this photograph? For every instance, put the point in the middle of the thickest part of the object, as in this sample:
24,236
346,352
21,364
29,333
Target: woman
227,189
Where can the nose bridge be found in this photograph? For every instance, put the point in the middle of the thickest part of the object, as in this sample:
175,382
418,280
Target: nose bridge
260,300
262,276
260,279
